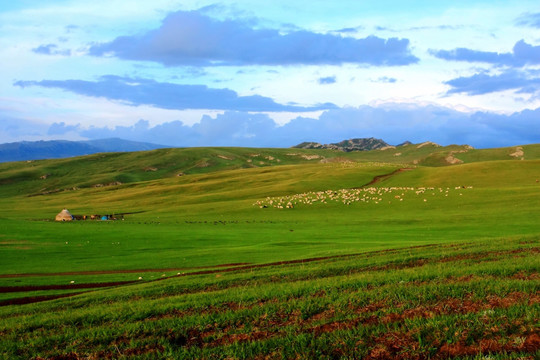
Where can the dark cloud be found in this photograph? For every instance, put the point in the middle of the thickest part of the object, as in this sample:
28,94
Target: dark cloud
393,123
527,82
522,54
529,19
327,80
51,49
193,38
168,95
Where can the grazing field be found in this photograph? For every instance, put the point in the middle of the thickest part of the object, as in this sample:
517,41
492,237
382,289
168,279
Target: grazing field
278,253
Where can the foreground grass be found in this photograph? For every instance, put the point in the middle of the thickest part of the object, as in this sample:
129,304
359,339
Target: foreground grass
439,301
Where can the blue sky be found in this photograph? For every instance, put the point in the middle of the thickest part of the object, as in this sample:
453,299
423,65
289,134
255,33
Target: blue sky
251,73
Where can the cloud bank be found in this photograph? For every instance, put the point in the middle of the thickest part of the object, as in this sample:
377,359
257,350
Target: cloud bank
393,123
192,38
168,95
523,82
522,54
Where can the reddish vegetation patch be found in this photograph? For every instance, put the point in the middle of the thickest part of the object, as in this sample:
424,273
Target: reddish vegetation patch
266,326
121,353
333,326
529,344
524,276
401,346
404,345
143,350
462,306
244,337
70,356
394,345
319,294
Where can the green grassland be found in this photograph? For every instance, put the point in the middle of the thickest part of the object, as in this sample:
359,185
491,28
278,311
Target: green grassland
436,260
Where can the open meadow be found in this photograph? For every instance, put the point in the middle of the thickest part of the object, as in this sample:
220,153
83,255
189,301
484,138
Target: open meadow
273,253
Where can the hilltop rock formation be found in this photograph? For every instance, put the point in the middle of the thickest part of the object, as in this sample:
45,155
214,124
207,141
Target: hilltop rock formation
358,144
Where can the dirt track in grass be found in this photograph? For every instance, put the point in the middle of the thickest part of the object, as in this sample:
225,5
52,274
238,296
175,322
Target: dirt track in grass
223,268
212,269
35,299
109,272
10,289
378,179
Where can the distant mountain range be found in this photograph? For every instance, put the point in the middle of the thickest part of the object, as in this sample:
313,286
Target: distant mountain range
361,144
55,149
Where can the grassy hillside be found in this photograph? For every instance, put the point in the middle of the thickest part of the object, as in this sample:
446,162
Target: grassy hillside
405,260
45,176
101,170
429,154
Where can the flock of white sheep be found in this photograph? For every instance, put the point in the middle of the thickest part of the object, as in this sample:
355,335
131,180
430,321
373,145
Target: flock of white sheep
375,195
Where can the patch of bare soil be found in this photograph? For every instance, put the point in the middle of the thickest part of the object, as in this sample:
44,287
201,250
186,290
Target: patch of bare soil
518,153
452,160
427,143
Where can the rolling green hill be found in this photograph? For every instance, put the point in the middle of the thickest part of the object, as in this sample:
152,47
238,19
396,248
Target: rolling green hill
106,169
278,253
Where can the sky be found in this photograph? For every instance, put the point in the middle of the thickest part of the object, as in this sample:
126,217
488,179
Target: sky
271,74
